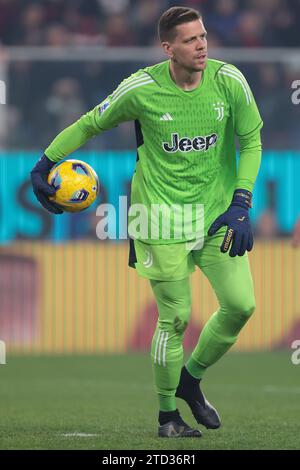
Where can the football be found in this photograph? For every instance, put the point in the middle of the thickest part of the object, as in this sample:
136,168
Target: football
76,184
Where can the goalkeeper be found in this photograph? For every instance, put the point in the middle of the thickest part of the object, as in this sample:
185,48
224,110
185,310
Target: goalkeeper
187,112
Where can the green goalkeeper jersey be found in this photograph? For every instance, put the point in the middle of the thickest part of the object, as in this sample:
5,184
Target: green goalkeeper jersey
185,139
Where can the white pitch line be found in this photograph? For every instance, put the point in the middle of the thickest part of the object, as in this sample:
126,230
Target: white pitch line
78,434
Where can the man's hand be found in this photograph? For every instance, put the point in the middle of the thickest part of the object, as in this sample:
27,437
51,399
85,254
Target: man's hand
41,188
236,218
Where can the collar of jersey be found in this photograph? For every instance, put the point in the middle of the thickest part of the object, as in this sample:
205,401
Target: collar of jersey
190,93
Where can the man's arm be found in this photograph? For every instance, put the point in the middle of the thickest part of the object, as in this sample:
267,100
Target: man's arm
119,107
71,138
249,161
104,116
247,124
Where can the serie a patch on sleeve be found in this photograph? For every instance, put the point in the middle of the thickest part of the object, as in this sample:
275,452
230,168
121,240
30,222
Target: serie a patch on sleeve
103,107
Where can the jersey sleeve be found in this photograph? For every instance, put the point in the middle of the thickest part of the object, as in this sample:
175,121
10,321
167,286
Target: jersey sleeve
122,105
246,116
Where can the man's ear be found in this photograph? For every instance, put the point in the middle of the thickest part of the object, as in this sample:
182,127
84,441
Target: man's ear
167,49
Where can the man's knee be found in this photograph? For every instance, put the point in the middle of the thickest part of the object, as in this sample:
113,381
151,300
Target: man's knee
244,308
174,305
181,320
250,308
178,321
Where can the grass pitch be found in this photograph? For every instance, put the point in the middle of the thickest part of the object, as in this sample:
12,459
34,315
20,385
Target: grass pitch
108,402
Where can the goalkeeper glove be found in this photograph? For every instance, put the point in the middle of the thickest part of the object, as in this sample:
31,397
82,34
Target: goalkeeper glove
41,188
239,233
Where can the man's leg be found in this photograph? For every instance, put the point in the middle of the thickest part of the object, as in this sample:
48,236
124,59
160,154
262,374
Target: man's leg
174,305
232,282
233,285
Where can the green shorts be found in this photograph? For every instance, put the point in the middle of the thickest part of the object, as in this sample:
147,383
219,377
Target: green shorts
174,261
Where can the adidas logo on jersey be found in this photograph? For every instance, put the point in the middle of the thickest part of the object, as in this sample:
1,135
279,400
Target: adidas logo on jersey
166,117
185,144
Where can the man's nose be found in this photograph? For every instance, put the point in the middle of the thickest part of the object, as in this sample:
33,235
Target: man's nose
200,44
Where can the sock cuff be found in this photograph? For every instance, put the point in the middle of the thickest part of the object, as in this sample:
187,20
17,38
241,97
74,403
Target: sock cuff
195,369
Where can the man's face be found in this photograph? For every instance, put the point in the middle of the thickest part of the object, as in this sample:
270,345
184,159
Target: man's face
189,46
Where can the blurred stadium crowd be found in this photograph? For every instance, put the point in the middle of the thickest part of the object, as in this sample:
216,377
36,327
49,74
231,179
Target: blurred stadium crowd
45,97
129,22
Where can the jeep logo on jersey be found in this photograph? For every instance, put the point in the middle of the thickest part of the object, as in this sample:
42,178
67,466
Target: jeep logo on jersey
185,144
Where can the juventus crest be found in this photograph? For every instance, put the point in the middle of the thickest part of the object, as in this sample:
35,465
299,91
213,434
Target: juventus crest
219,108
